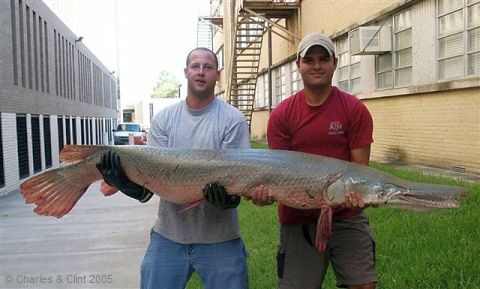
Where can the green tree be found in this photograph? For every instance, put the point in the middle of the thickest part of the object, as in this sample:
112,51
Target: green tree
166,87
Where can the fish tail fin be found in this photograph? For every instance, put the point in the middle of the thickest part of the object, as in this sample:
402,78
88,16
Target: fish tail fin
72,154
55,192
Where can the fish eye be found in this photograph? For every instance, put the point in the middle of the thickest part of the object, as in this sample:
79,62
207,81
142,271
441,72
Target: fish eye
382,193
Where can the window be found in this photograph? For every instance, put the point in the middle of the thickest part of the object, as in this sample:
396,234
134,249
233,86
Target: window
279,84
402,43
394,69
220,58
259,90
458,38
473,37
348,68
266,89
296,79
385,71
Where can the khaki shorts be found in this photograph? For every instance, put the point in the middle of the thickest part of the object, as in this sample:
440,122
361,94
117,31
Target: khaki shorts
351,251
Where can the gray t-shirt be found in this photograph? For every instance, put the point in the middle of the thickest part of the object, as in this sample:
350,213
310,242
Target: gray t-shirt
217,126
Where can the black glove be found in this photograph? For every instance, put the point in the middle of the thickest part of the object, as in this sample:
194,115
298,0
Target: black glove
113,174
217,195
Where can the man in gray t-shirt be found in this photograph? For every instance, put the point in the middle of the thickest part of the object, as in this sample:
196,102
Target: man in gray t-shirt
205,239
216,126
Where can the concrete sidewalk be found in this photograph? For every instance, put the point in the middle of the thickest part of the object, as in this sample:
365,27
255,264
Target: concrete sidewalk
99,244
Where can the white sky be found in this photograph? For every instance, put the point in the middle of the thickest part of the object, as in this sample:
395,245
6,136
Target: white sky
153,35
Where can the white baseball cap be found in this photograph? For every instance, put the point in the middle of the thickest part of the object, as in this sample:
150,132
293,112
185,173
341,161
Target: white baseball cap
313,39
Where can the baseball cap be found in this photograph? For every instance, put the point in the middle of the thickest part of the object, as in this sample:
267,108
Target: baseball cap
313,39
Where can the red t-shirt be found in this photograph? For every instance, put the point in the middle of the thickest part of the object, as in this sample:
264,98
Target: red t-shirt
342,123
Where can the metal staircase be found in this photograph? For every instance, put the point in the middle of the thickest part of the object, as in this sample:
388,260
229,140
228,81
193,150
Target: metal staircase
254,18
246,61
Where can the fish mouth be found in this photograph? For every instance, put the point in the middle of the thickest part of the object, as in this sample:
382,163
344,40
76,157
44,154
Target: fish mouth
429,201
429,196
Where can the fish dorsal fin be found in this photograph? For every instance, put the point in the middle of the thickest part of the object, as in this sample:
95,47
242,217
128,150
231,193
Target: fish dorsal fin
72,154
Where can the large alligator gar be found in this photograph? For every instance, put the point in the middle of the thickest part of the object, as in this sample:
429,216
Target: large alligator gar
296,179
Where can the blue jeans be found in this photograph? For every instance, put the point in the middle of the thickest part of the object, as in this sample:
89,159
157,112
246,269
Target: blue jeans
169,265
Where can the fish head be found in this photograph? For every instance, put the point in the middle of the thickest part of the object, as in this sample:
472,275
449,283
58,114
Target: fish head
415,195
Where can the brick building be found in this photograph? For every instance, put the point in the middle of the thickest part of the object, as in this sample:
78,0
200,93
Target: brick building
53,92
414,63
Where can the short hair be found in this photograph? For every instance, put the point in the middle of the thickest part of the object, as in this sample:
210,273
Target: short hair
202,49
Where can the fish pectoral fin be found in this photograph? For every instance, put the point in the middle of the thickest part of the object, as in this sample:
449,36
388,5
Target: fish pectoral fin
323,184
332,178
327,180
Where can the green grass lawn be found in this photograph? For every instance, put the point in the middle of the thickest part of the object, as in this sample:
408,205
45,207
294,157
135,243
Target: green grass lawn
438,249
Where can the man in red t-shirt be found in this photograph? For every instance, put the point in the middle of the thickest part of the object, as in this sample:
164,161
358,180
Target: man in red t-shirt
321,119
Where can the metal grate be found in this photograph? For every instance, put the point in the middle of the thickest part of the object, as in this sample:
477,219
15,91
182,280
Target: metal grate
74,130
82,129
91,132
97,129
22,147
102,128
37,155
67,130
60,133
109,130
47,141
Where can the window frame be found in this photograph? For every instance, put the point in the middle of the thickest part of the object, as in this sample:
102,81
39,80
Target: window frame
295,78
394,68
220,58
465,34
279,88
351,61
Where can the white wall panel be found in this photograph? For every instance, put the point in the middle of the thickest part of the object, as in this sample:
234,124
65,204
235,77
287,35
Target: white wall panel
10,157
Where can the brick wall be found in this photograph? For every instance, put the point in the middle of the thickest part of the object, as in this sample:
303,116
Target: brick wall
439,129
